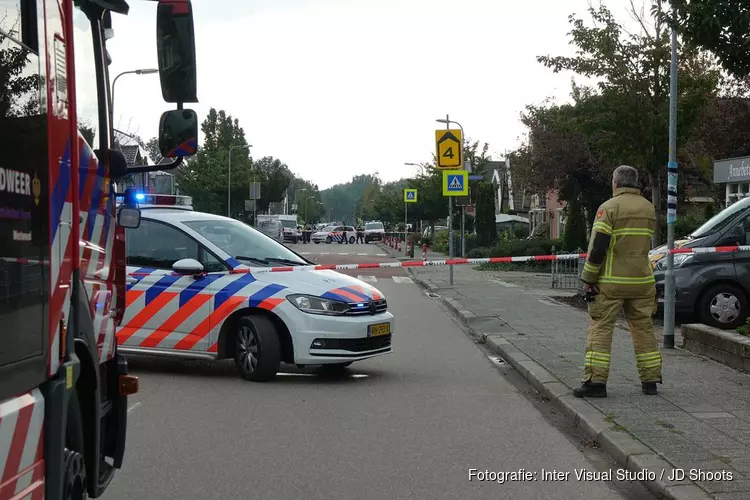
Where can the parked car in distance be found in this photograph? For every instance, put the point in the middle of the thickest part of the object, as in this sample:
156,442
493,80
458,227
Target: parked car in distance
374,231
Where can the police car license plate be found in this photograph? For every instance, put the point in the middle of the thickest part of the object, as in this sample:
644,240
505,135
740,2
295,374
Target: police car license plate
378,329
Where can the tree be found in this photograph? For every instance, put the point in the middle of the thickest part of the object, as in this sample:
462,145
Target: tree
152,148
485,220
274,177
720,26
574,236
205,176
19,91
625,116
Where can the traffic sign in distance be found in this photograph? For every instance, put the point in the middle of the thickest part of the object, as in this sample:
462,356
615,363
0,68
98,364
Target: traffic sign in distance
455,183
449,145
410,195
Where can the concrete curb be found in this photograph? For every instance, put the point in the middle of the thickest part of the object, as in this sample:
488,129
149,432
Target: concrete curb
631,453
616,441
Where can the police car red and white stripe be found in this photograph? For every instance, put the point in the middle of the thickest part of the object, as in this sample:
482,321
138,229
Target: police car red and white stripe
190,295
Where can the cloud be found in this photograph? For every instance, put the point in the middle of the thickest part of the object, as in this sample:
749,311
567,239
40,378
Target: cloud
341,87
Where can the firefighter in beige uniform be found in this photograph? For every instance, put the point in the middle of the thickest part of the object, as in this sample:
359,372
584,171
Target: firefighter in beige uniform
618,271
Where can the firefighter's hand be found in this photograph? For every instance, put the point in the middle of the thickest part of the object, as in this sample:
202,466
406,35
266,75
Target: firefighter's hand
587,288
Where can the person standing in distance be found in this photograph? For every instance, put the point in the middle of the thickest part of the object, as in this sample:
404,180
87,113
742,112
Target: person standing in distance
617,273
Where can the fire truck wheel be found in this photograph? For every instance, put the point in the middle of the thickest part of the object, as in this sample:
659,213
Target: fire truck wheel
74,481
328,240
257,352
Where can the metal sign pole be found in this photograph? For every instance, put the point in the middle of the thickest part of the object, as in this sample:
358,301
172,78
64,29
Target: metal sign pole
463,233
669,285
450,213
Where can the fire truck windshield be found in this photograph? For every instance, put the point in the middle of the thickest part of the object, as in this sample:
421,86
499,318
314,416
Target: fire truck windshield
87,101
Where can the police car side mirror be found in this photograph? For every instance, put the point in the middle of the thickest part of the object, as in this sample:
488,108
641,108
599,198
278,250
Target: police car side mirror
187,266
129,217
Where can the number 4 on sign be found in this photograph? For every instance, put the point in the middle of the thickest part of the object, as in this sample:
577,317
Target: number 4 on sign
449,153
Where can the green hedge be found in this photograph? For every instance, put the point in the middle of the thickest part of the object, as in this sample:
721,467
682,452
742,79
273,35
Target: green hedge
441,243
518,248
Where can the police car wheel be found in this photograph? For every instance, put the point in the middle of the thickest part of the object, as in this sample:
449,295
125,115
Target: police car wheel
257,350
352,240
723,306
317,242
74,467
328,240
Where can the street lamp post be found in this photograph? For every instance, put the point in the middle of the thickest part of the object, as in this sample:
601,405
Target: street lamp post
144,71
229,178
447,121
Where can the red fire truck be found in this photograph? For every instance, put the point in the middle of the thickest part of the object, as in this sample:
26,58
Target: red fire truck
63,383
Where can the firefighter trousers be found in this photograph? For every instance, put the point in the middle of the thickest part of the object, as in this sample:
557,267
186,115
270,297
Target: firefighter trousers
603,312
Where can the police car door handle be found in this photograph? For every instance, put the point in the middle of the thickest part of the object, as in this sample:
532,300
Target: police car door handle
131,281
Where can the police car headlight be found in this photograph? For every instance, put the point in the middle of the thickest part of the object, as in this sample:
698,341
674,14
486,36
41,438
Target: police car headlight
318,305
679,260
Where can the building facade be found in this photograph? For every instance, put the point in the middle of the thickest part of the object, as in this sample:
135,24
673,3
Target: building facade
734,173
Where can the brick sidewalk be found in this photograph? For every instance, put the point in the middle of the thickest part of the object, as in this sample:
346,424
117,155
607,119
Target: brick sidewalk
700,420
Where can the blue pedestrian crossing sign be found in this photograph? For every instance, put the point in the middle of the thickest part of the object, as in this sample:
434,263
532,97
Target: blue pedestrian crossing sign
410,195
455,183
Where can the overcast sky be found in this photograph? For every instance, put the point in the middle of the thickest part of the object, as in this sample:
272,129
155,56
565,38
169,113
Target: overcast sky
336,88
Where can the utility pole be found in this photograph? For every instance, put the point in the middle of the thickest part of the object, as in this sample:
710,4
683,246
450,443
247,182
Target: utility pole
669,285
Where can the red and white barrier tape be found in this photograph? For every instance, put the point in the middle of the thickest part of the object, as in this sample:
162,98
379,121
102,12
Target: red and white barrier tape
448,262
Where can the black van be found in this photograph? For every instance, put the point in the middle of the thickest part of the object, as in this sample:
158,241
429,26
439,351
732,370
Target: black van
714,286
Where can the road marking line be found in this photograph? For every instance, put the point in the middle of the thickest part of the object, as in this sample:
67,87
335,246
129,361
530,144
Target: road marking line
361,254
304,253
368,277
325,253
344,253
505,284
402,279
381,254
135,405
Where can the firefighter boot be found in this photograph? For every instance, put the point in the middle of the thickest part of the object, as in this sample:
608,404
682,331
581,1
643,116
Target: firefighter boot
591,390
649,388
647,355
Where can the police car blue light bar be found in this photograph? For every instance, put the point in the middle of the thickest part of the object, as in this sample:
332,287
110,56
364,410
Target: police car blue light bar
162,200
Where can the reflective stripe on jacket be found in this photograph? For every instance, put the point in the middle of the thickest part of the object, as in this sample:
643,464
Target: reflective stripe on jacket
620,241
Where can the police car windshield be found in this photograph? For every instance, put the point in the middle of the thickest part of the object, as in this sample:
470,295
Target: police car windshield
237,238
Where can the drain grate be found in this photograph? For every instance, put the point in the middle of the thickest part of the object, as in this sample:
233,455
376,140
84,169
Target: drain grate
432,295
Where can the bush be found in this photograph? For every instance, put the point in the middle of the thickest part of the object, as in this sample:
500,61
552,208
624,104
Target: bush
441,243
518,248
478,253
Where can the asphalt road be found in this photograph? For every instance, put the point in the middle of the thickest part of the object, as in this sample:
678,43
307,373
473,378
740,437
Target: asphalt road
409,425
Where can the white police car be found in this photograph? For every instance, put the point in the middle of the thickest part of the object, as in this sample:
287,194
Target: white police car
190,294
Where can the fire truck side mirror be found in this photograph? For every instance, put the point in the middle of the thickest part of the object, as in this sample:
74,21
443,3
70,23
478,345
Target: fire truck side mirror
178,133
129,217
175,46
